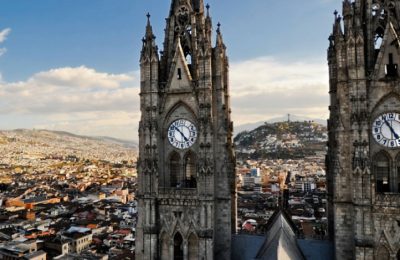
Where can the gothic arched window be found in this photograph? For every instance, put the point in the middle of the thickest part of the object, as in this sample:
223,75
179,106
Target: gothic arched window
383,253
193,250
174,169
178,247
164,246
190,171
396,176
382,172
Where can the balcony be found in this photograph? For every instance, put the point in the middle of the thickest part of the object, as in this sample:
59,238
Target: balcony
387,199
177,193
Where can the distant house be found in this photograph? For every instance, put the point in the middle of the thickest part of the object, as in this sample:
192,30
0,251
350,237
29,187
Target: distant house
31,202
38,255
74,240
8,233
80,240
21,250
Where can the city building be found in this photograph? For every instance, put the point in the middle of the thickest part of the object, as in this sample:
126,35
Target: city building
186,168
364,128
21,250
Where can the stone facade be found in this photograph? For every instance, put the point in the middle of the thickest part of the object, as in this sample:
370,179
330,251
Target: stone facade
186,197
364,175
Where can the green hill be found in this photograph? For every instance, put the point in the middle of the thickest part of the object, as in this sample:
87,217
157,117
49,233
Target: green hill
282,140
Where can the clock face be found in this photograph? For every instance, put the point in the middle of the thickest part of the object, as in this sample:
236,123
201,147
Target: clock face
182,134
386,130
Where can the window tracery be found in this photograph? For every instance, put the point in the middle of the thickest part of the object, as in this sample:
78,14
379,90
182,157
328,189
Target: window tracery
174,168
382,173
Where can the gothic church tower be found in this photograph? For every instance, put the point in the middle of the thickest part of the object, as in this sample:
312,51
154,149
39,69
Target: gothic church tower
186,169
363,159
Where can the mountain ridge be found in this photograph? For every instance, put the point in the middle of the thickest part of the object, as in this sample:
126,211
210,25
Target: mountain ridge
293,118
35,148
282,140
126,143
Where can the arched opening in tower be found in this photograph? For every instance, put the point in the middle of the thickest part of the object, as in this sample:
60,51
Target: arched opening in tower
190,171
382,173
164,246
397,175
193,247
383,253
178,247
189,60
174,169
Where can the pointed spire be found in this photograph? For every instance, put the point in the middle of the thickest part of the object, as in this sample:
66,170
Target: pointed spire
149,28
208,26
337,27
149,48
208,18
220,41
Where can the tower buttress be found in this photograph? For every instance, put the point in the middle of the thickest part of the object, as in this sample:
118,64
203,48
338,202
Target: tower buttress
148,156
149,65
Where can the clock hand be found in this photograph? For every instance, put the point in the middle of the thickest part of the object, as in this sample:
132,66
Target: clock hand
184,137
391,129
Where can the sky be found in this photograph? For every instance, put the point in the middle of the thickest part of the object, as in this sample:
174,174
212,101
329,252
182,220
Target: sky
73,65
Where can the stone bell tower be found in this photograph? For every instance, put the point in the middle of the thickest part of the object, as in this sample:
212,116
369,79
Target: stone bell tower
186,168
363,159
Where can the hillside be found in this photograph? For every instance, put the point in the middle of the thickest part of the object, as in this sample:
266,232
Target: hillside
293,118
282,140
34,147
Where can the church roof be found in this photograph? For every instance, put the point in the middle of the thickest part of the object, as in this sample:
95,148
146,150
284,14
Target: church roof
281,241
316,249
245,247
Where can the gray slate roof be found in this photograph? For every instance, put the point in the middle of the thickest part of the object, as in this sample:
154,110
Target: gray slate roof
316,249
245,247
281,241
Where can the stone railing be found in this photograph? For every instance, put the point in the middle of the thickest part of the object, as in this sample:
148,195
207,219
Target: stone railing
176,193
387,199
178,197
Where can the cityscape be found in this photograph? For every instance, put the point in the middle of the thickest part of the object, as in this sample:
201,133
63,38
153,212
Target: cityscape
66,196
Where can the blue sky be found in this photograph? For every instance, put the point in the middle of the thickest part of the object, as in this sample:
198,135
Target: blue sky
68,62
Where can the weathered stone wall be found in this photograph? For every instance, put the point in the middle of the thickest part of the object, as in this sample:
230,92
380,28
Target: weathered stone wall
362,221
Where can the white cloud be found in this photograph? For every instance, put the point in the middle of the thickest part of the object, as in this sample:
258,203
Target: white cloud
79,99
264,88
84,101
2,51
81,77
4,33
69,90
